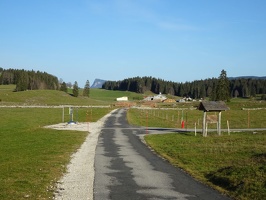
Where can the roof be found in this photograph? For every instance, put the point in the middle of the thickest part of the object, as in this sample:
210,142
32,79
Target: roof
159,97
122,99
213,106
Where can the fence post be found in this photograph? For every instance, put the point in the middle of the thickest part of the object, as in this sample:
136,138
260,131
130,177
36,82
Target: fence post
63,115
228,129
195,129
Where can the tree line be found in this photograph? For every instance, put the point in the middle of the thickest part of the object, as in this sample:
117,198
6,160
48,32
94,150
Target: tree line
32,80
28,80
239,87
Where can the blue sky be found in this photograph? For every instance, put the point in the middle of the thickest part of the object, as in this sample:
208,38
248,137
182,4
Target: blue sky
176,40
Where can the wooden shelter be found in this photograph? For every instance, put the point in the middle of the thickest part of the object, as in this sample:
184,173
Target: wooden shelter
212,106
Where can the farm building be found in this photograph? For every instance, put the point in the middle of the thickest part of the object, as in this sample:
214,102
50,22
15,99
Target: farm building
158,97
122,99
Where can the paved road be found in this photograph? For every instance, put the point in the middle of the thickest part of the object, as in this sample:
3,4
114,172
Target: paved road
126,169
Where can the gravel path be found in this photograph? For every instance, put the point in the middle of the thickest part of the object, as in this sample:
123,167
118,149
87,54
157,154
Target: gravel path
77,183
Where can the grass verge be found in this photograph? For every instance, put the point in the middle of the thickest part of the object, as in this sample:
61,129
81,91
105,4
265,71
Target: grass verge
32,158
234,164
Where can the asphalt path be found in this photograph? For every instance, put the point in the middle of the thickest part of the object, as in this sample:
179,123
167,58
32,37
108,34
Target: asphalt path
125,168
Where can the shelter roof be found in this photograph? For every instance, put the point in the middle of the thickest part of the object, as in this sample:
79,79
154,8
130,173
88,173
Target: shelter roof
209,106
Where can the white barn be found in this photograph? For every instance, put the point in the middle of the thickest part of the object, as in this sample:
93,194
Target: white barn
122,99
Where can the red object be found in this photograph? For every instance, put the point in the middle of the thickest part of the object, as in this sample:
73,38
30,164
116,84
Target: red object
183,124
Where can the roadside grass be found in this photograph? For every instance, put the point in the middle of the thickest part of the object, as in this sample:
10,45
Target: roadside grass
90,114
235,164
33,158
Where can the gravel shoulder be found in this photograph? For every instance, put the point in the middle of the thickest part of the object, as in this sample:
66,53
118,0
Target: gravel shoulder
77,183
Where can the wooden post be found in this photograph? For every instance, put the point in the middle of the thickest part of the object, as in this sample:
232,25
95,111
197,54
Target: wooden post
195,129
204,124
147,122
63,115
186,120
219,123
228,129
248,119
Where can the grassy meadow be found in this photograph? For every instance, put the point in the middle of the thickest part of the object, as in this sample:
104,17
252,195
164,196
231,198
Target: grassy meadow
32,158
235,164
110,96
55,97
242,114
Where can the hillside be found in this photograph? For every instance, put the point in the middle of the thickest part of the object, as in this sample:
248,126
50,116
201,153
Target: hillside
56,97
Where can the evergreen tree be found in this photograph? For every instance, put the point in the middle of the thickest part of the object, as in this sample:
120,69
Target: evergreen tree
63,87
86,91
252,90
222,90
202,92
241,87
213,95
75,89
23,81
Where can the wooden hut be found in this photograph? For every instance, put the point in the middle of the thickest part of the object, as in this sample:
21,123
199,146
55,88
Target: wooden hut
212,106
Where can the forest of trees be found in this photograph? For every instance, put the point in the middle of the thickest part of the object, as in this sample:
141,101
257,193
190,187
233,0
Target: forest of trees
28,80
237,87
240,87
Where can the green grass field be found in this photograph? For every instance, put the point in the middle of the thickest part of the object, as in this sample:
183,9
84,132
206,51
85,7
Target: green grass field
55,97
235,164
110,96
171,118
32,158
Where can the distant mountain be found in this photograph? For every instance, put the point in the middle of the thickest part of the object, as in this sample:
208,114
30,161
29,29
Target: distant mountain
98,83
247,77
